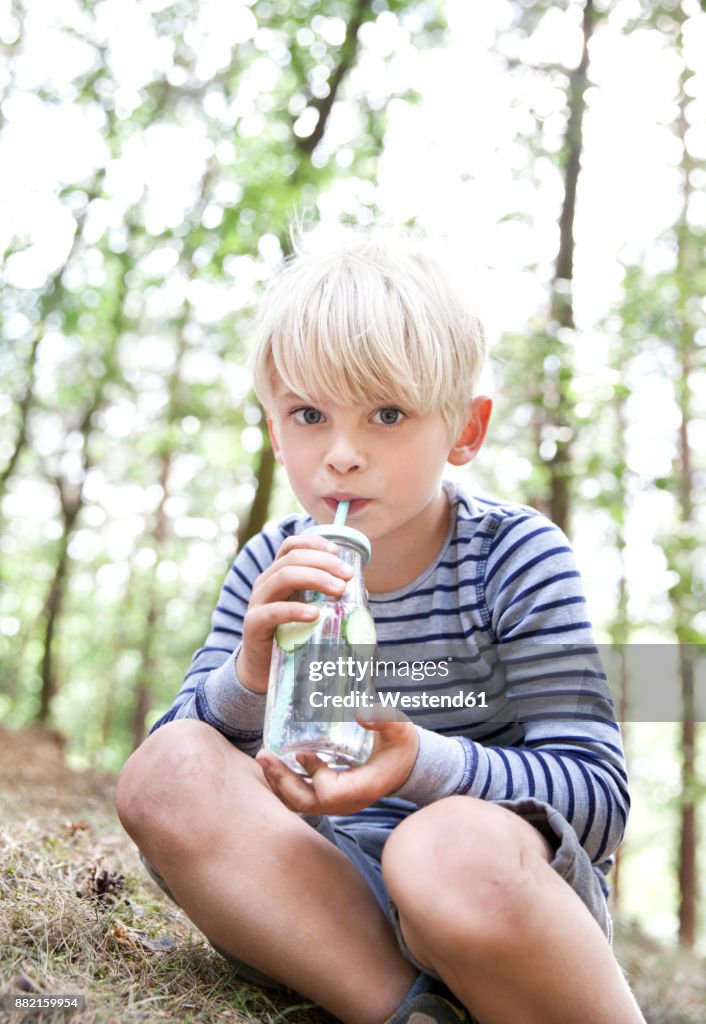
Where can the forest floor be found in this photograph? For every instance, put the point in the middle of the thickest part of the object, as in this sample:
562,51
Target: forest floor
79,916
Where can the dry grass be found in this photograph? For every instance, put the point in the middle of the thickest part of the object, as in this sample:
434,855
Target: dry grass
78,915
74,925
670,984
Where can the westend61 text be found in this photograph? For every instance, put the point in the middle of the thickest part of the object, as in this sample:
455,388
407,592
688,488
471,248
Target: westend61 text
396,699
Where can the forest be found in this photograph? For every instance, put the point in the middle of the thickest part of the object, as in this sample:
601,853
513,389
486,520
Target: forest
153,157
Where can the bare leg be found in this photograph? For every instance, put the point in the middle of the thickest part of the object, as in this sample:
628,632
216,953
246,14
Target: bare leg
255,878
480,904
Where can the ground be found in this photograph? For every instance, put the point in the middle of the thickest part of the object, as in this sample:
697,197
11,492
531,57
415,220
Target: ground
79,916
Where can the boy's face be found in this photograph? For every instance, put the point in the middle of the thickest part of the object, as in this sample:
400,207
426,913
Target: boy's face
387,464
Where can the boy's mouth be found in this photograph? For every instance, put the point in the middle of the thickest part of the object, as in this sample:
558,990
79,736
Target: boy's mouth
356,504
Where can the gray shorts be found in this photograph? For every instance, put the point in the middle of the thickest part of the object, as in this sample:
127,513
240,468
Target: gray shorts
363,846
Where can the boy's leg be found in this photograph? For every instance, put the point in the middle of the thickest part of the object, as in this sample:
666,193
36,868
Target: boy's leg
480,906
257,880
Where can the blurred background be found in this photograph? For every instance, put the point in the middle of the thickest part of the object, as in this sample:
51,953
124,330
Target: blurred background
152,155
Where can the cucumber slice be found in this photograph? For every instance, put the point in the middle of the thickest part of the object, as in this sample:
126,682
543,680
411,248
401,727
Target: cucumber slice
290,635
359,628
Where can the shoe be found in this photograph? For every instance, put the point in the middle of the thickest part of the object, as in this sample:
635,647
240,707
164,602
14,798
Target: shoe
433,1009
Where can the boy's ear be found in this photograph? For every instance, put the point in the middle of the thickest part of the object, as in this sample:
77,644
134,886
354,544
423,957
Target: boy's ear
473,433
273,438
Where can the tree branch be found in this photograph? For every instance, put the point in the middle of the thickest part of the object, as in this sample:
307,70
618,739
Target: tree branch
349,52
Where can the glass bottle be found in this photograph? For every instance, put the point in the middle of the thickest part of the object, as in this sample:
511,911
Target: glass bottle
322,673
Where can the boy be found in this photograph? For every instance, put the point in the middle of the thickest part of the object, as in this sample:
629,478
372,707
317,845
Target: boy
457,875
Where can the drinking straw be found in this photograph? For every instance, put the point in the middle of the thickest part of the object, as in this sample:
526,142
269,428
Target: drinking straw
341,513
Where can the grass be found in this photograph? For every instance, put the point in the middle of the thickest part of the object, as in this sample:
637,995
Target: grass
79,916
78,919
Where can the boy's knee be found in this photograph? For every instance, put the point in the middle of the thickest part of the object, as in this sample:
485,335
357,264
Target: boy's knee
463,868
452,835
163,778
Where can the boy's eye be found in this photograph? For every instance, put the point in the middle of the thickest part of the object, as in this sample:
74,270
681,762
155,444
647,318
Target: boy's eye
389,415
307,415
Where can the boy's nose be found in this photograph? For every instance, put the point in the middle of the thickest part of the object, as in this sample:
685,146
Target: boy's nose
344,456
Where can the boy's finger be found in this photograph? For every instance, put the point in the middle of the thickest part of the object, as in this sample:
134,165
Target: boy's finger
290,578
346,792
312,541
377,717
311,763
270,775
268,616
312,557
325,792
294,792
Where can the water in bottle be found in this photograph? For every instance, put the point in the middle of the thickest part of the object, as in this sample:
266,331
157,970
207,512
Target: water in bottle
322,673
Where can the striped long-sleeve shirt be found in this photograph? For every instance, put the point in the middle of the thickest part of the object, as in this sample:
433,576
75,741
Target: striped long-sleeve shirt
502,604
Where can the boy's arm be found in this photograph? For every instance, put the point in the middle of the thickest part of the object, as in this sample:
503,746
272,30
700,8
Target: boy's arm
569,752
211,691
259,593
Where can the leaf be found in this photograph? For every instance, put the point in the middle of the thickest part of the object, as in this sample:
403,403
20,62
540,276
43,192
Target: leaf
136,939
72,827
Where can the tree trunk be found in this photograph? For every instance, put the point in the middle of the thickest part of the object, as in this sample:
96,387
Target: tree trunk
688,262
257,516
71,498
688,838
24,405
349,53
558,385
149,662
148,668
53,297
620,629
53,604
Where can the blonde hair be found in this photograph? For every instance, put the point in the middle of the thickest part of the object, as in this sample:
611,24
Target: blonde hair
374,319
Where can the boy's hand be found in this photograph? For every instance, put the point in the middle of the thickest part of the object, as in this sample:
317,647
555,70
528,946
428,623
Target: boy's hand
328,791
304,562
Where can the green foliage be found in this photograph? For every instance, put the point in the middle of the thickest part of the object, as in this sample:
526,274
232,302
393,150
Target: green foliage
130,443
